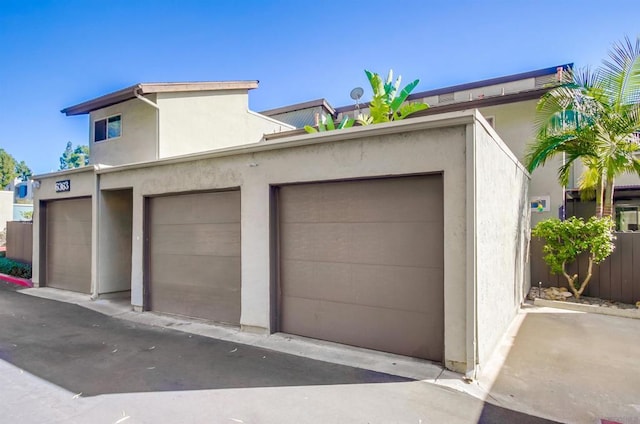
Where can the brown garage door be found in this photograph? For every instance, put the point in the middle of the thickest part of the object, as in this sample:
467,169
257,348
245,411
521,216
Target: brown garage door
194,255
361,263
68,241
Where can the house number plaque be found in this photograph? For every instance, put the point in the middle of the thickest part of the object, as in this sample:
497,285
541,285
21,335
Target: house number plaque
64,185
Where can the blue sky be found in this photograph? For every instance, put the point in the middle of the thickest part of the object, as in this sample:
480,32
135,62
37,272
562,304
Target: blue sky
59,53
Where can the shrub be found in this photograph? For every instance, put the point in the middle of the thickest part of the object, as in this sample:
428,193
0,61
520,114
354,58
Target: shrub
16,269
565,240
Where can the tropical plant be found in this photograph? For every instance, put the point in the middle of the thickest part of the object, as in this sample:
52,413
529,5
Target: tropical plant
593,118
326,124
565,240
387,103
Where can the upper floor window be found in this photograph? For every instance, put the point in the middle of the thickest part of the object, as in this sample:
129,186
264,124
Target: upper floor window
107,128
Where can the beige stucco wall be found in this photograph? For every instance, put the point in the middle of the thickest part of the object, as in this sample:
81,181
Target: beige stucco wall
83,184
138,142
6,208
501,222
515,123
114,229
353,153
445,143
193,122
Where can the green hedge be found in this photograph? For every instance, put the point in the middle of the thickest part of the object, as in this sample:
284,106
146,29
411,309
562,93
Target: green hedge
17,269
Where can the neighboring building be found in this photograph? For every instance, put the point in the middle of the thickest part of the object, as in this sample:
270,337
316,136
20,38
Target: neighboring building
509,105
6,208
147,122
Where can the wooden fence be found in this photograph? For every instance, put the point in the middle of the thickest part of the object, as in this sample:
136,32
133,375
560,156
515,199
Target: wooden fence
20,241
617,278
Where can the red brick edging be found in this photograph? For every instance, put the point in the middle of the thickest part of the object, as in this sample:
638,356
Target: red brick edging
16,280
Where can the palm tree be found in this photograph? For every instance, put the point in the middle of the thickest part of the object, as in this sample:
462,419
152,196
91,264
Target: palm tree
593,118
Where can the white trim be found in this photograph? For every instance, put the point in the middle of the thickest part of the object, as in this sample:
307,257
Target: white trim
270,119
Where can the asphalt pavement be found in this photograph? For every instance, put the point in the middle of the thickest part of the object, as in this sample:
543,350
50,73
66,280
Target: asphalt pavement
63,363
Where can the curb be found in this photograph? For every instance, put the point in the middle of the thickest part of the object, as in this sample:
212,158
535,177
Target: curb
16,280
581,307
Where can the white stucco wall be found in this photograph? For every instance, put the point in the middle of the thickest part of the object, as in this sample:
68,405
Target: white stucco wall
502,229
193,122
439,146
138,142
6,208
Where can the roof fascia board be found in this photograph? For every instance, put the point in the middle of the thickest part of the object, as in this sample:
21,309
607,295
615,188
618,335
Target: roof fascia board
477,84
149,88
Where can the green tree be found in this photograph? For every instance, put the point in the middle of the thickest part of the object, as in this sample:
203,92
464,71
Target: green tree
593,117
23,172
7,169
565,240
74,158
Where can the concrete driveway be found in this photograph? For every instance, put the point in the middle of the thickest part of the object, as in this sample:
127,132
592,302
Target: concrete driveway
573,367
61,363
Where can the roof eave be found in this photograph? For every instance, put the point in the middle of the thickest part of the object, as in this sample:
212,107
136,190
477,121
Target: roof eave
150,88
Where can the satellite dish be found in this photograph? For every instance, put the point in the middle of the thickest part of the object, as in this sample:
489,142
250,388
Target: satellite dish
356,93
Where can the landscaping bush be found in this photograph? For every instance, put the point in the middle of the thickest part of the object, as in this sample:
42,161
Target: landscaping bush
566,240
16,269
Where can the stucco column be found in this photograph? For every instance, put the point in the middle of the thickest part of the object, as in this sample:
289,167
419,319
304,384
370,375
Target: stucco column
137,249
255,269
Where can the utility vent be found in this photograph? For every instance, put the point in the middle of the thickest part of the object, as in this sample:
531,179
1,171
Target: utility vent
545,80
491,121
445,98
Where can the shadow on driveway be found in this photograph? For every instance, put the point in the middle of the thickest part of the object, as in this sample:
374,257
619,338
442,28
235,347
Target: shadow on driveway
86,352
90,353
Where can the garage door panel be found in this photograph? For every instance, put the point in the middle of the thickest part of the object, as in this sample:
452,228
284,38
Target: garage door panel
74,210
196,208
197,239
400,244
402,332
68,244
194,255
221,304
201,270
370,285
353,201
69,233
362,263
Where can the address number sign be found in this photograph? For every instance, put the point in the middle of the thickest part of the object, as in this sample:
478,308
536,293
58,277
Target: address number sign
64,185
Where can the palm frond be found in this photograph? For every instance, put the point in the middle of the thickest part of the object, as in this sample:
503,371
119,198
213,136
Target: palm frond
621,73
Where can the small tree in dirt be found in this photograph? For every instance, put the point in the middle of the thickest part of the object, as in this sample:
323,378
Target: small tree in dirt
565,240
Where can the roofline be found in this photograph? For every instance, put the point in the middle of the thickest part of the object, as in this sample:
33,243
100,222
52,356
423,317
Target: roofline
452,107
298,106
150,88
471,85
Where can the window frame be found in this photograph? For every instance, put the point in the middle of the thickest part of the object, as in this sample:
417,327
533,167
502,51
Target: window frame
106,121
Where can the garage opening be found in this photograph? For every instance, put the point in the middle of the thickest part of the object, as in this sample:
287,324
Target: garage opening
361,263
193,255
115,223
67,244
